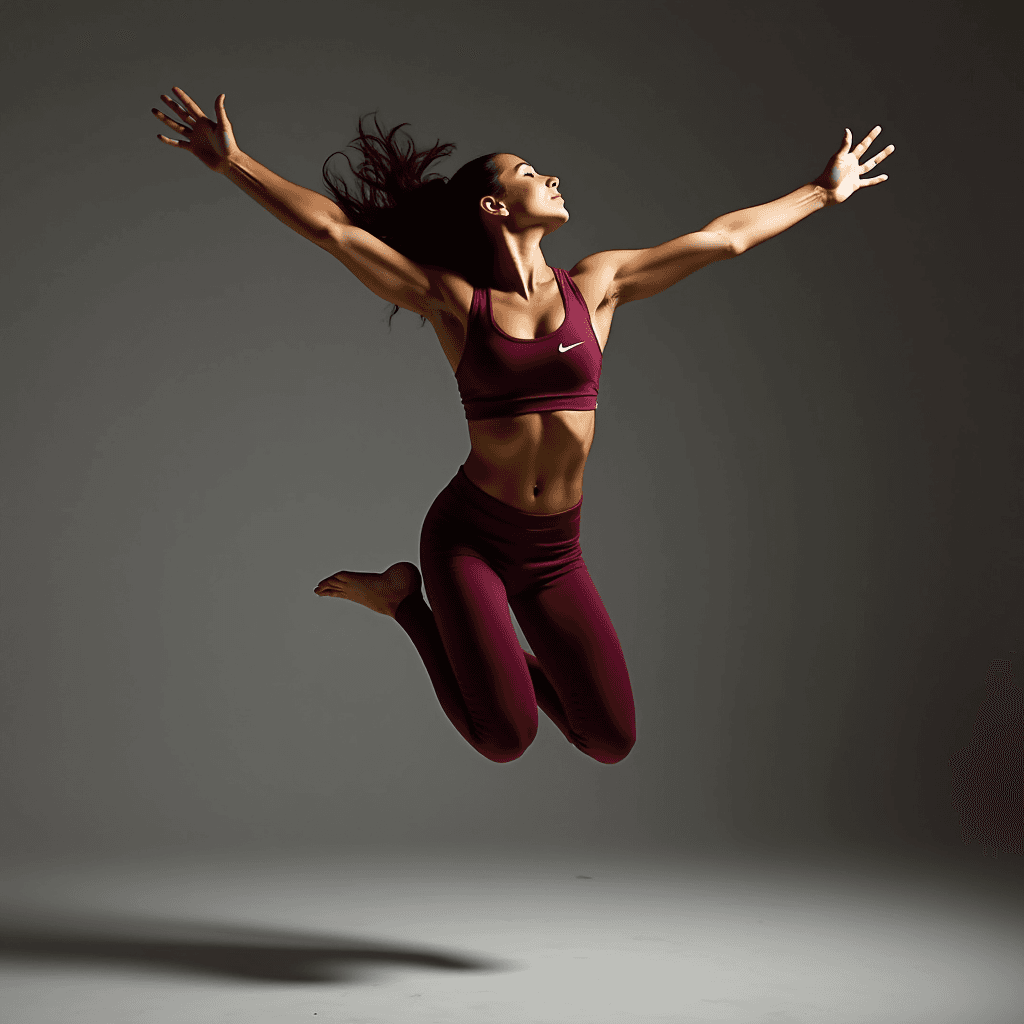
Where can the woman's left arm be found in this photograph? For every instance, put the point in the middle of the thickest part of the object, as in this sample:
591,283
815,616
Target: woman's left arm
630,274
840,179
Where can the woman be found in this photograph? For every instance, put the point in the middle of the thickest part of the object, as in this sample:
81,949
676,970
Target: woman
525,341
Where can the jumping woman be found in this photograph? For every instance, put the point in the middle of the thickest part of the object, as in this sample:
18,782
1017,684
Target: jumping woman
525,342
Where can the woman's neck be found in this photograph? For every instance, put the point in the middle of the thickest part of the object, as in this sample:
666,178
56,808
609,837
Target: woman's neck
519,264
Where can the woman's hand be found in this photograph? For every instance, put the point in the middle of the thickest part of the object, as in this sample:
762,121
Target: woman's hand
841,177
212,141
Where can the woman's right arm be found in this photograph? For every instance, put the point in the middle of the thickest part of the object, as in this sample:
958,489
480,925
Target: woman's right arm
383,270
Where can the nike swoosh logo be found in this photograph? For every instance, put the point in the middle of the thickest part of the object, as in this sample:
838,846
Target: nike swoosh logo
565,348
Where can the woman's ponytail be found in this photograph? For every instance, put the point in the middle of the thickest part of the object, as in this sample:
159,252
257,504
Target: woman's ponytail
420,214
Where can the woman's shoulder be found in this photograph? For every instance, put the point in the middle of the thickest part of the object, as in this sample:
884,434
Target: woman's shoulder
592,278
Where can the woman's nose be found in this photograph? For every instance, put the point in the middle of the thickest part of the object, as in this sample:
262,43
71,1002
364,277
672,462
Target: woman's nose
553,181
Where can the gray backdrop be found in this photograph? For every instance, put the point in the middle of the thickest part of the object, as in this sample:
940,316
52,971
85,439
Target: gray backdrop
802,507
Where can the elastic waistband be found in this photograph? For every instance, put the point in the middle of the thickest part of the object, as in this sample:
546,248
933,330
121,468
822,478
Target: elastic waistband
466,489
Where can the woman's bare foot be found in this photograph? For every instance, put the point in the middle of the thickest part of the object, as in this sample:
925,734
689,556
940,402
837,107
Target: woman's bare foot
379,591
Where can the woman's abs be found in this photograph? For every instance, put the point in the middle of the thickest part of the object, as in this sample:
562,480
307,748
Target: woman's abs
533,462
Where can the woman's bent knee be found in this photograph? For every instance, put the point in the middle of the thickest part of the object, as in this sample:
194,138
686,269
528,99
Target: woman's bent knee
507,748
611,752
503,756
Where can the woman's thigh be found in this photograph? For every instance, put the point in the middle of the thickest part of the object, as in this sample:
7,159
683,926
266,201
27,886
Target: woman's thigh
470,607
568,627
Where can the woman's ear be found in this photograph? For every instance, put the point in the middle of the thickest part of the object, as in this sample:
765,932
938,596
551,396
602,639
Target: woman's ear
493,206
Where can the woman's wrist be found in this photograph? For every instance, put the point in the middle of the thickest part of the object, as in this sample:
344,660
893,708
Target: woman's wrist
826,194
234,160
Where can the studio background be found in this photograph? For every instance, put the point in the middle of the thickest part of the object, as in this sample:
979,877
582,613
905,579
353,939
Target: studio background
802,508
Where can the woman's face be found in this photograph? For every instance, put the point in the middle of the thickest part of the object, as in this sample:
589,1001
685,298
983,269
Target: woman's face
531,199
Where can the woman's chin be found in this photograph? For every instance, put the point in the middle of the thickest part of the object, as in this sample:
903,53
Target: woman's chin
556,222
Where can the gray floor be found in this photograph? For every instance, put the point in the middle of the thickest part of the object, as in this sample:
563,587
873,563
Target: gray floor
501,938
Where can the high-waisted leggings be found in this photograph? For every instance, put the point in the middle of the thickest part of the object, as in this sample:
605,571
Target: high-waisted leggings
478,556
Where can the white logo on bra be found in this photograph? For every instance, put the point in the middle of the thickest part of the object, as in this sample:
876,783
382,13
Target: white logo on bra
565,348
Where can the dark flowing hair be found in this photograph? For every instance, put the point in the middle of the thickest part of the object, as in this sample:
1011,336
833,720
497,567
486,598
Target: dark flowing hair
430,219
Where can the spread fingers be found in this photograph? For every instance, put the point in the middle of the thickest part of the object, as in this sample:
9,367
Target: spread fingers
867,140
177,108
179,128
191,105
877,159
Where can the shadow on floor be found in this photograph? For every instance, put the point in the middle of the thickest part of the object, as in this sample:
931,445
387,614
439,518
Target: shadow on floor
195,948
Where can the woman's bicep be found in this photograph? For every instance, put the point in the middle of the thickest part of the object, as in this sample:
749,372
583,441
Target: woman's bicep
385,271
625,275
641,273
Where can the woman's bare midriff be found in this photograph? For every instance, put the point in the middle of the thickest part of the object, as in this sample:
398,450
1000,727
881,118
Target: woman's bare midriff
533,462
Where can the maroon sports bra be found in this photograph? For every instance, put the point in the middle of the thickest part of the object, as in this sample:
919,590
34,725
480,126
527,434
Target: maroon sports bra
499,375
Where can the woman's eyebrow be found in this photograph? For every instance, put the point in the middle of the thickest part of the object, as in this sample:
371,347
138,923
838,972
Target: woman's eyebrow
522,163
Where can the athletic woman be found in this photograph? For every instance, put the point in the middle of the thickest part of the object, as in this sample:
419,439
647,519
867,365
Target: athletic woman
525,342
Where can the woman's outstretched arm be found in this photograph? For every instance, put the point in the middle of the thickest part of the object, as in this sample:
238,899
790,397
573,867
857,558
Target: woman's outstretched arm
839,180
383,270
630,274
213,142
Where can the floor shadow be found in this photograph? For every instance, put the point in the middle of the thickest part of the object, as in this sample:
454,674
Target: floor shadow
226,951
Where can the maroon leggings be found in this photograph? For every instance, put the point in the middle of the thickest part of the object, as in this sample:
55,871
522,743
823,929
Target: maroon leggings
478,556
